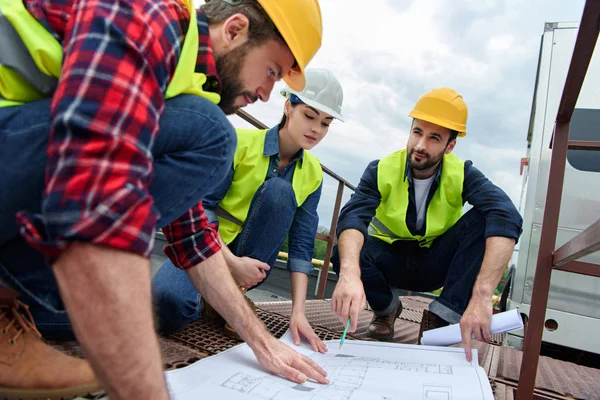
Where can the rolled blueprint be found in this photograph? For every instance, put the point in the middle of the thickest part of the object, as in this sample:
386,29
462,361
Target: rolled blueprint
449,335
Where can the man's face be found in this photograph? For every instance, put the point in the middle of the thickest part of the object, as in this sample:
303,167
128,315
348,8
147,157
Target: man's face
427,144
248,73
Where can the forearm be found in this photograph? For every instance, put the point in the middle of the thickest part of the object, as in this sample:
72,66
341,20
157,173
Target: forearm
498,251
107,295
349,246
299,283
227,253
214,282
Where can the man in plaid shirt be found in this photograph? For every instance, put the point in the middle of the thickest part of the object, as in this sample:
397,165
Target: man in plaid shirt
90,168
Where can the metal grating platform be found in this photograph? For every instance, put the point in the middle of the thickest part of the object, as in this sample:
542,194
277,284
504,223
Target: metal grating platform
318,312
207,335
560,377
173,353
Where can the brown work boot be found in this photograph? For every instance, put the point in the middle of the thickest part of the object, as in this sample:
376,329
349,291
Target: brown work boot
29,368
382,328
228,330
430,321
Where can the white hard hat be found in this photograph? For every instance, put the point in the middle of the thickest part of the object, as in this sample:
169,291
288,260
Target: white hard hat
322,91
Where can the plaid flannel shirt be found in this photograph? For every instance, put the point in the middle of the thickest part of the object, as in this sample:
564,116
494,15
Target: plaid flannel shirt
119,57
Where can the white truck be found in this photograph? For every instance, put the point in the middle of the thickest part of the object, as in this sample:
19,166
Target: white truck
573,314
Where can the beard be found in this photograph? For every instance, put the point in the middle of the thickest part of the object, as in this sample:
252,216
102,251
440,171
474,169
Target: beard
427,160
229,67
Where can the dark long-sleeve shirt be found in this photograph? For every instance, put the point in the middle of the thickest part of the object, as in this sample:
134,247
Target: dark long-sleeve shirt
501,216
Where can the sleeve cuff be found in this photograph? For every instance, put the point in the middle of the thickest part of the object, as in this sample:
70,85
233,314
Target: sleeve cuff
197,247
123,220
298,265
352,223
499,227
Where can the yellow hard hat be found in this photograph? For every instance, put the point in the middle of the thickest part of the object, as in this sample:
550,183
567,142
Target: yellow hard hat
300,24
443,107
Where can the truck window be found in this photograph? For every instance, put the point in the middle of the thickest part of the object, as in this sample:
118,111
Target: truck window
585,125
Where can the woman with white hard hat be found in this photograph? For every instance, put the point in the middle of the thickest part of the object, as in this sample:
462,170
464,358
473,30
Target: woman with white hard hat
272,191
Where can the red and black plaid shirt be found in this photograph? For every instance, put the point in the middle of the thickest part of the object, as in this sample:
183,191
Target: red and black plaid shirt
119,57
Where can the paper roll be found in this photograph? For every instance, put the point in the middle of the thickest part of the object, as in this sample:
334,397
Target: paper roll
449,335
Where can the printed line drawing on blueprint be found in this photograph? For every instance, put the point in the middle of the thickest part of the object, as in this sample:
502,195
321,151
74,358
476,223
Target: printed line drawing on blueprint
346,373
437,392
261,387
346,361
269,389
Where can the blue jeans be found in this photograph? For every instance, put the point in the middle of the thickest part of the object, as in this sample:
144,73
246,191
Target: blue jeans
453,261
177,302
192,154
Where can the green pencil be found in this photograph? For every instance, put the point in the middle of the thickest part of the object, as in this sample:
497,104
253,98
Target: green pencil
345,331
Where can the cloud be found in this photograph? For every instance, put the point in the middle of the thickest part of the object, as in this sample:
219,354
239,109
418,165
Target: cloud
388,53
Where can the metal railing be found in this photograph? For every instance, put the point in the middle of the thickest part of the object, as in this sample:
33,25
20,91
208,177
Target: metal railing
330,239
586,242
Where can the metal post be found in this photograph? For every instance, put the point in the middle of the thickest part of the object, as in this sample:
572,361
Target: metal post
582,54
543,270
334,221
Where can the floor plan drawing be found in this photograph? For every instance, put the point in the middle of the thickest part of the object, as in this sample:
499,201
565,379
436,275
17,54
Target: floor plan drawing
436,392
362,370
370,362
261,387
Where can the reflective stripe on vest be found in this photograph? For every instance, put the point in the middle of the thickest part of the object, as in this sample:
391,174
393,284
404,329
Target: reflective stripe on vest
443,211
31,59
250,169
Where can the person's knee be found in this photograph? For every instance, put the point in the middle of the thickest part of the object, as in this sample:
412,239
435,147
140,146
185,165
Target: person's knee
210,130
173,305
221,135
278,185
366,259
166,300
169,310
277,192
228,142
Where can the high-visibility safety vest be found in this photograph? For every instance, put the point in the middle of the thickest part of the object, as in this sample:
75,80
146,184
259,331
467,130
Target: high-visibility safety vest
444,210
250,167
31,59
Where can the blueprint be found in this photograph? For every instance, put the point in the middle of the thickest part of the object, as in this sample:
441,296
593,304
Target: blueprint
360,370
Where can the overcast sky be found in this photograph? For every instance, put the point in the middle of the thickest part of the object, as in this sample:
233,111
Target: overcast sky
386,53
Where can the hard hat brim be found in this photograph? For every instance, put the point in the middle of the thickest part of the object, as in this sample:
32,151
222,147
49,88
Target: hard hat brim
296,79
314,104
438,121
303,43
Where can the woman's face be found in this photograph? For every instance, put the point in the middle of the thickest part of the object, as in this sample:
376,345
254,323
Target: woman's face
306,125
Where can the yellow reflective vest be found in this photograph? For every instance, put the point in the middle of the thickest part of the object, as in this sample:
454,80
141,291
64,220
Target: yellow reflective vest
443,211
250,167
31,59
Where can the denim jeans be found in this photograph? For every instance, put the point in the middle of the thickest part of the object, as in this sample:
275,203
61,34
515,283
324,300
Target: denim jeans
189,162
177,302
453,261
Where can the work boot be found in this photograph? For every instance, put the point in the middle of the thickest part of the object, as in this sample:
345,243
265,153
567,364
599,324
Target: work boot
228,330
430,321
382,328
29,368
